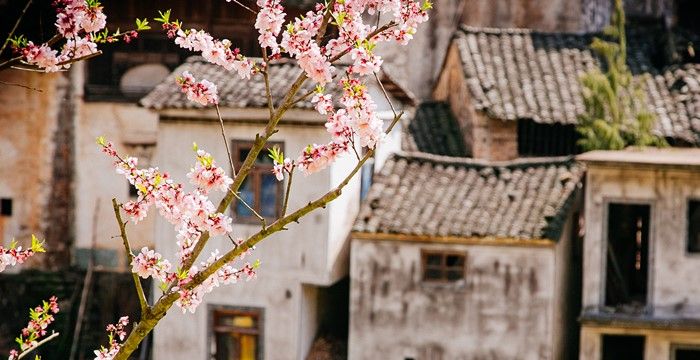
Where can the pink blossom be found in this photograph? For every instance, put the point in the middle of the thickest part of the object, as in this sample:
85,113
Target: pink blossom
203,92
149,263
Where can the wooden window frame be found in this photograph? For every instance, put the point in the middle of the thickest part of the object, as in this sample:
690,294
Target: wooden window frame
688,225
255,175
443,268
218,311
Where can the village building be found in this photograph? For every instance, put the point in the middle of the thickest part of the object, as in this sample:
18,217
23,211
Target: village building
300,286
640,296
517,92
454,258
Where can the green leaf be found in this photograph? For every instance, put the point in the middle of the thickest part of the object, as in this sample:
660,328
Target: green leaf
37,245
142,24
164,17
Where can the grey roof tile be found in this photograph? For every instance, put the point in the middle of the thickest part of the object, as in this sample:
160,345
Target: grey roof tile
423,194
524,74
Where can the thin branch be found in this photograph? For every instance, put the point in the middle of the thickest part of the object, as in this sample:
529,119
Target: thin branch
223,134
262,219
86,57
42,342
137,282
266,78
386,96
244,6
20,85
288,190
14,28
304,97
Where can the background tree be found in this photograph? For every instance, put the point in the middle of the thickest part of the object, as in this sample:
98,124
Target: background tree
616,113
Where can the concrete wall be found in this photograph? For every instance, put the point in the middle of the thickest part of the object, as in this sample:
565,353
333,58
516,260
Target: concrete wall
132,129
667,190
507,297
28,120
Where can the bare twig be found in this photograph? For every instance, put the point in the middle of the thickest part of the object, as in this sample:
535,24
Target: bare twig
223,135
42,342
266,78
262,219
288,190
244,6
130,256
20,85
386,96
14,28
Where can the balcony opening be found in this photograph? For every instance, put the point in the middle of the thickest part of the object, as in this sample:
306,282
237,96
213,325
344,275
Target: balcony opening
627,266
686,352
617,347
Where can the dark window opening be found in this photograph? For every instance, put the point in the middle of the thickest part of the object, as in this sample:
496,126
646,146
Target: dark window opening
546,139
443,266
237,335
686,13
5,207
627,254
133,191
686,352
616,347
260,190
693,226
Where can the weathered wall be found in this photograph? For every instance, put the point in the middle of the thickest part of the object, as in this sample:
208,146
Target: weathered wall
28,121
506,298
668,191
544,15
133,131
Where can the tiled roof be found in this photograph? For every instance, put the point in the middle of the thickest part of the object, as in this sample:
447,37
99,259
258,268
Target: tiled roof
428,195
435,130
523,74
237,93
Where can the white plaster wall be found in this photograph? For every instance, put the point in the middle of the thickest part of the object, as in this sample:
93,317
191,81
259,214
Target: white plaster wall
667,190
97,182
507,298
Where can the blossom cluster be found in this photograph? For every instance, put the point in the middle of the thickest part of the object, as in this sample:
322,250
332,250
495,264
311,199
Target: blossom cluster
203,92
301,40
76,21
17,255
117,333
40,318
191,213
191,298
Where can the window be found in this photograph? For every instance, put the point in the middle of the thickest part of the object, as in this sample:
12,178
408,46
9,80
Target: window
5,207
694,226
236,335
627,254
536,139
443,266
260,190
685,352
616,347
